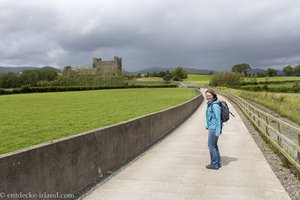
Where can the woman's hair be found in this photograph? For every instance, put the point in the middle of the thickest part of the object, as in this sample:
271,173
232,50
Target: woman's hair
211,92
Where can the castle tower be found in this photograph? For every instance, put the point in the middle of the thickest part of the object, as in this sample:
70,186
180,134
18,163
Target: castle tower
108,68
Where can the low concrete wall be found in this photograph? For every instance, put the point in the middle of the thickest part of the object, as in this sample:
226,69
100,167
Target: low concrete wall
70,164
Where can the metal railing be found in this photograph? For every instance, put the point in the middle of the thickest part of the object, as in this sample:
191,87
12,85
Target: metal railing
280,134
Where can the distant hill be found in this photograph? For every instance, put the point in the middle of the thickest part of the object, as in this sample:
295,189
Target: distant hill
127,72
280,73
20,69
15,69
198,71
159,69
151,70
48,67
257,71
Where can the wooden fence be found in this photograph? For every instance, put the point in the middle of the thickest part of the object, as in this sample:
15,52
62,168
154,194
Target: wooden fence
284,137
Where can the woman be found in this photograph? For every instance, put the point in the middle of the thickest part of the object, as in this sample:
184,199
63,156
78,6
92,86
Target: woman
214,127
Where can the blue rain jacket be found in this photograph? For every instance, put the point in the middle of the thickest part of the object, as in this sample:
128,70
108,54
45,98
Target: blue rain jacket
213,116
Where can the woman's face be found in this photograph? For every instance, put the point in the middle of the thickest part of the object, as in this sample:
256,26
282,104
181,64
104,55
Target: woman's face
208,96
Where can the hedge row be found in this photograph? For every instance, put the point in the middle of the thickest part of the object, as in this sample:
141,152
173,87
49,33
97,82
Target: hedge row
269,82
293,89
27,89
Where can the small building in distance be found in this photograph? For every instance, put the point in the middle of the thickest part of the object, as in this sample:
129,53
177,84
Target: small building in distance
108,68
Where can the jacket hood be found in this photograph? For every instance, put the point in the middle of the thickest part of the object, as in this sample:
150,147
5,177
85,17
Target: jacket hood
214,100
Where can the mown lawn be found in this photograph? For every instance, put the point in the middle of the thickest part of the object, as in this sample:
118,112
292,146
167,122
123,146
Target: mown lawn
201,79
148,81
29,119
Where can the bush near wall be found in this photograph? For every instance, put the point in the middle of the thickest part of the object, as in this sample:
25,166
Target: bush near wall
26,89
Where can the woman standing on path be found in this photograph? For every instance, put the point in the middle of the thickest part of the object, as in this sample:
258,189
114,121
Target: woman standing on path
214,127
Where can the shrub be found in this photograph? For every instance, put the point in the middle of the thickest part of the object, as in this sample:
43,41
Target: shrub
178,74
265,87
231,79
167,77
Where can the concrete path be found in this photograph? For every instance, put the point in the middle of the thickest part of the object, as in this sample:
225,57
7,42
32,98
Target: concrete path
175,168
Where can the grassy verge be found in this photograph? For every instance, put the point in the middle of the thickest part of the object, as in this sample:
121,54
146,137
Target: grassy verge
29,119
286,104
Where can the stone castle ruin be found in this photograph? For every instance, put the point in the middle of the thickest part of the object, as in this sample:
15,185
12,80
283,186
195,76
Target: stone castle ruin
108,68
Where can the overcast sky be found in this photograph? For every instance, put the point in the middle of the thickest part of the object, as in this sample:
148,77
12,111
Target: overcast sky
203,34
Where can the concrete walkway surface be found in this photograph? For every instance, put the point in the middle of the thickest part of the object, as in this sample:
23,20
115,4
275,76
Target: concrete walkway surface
175,168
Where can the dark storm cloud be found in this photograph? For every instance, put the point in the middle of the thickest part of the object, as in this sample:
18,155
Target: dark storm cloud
212,34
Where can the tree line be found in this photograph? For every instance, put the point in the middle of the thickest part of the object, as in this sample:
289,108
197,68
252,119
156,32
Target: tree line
177,74
239,71
38,77
244,68
48,77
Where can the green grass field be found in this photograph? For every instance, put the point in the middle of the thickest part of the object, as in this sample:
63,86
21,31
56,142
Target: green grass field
276,78
204,79
199,78
281,85
29,119
147,81
286,84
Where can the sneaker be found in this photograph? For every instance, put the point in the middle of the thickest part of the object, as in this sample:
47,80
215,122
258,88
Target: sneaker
211,167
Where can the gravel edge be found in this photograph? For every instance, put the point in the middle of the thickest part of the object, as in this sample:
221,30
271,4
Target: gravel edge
285,175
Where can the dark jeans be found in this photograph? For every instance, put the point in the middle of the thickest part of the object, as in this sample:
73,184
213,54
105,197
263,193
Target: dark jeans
215,159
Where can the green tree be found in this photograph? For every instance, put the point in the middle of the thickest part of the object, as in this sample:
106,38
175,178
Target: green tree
9,80
47,74
29,77
167,77
178,74
271,72
32,77
129,76
297,70
161,74
241,68
288,70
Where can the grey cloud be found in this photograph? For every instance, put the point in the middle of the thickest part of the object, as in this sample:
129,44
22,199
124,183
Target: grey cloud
212,34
